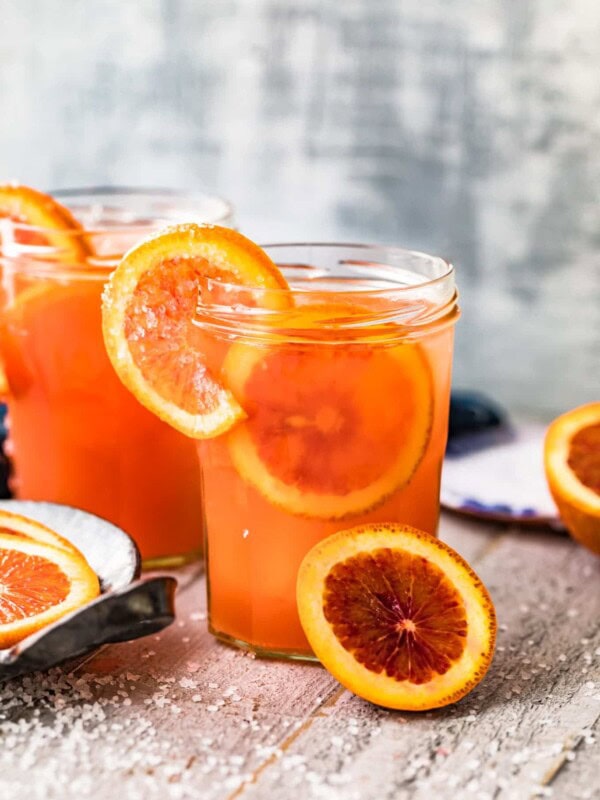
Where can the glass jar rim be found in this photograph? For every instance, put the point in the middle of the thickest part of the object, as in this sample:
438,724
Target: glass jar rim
447,275
112,219
186,205
447,267
395,295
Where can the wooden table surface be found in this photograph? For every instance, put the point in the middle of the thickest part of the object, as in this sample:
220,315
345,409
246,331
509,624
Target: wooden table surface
180,716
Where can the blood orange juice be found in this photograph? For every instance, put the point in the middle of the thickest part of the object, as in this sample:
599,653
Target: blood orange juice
77,435
346,396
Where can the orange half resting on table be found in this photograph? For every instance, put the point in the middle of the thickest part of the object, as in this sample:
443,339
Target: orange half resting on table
572,462
332,429
147,315
397,616
51,223
39,584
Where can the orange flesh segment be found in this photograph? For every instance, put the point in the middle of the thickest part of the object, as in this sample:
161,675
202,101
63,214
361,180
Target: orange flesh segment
396,613
584,456
29,585
332,430
158,327
334,426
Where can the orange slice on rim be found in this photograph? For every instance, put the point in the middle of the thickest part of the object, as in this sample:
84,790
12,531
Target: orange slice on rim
398,617
51,223
148,311
331,430
572,461
39,584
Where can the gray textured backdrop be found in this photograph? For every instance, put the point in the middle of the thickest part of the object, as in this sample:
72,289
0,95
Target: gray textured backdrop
465,128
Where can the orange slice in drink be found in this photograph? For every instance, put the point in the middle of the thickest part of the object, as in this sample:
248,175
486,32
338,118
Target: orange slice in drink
148,311
331,430
39,584
398,617
51,223
572,461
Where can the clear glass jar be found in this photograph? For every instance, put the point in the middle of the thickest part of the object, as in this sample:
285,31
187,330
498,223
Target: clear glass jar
345,382
77,436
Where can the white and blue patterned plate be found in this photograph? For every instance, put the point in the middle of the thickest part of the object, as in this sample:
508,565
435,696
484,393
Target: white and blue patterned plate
498,474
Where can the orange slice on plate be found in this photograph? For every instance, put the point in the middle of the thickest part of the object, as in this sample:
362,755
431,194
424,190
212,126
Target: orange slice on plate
148,311
51,224
572,462
398,617
331,430
24,527
39,584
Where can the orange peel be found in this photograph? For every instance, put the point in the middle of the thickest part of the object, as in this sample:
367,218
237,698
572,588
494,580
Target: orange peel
572,464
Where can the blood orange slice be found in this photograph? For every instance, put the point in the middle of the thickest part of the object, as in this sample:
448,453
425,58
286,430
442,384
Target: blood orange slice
148,311
331,430
572,461
397,616
49,223
39,584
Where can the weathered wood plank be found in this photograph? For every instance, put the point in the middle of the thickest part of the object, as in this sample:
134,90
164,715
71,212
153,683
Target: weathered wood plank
468,536
506,740
171,714
178,715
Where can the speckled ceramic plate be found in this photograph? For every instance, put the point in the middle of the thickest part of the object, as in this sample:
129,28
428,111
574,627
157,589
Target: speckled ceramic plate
126,609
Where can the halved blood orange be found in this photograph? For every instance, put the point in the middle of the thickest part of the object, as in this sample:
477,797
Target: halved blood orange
572,462
24,527
397,616
148,311
50,222
39,584
331,429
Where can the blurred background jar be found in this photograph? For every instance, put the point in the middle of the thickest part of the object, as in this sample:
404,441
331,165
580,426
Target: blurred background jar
76,435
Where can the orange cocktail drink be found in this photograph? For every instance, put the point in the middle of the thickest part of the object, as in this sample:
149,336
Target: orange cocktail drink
77,436
345,388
